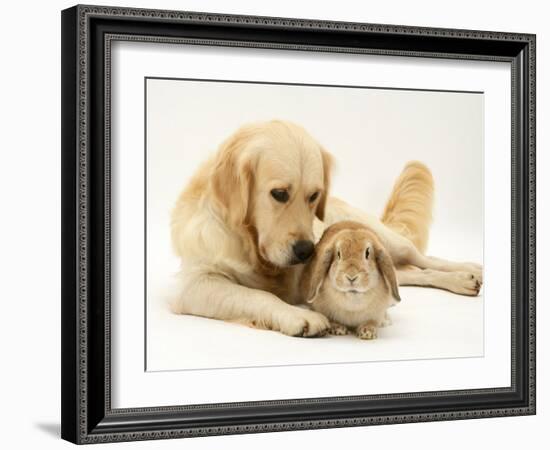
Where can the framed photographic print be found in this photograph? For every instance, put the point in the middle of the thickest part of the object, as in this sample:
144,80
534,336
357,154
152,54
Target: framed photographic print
279,224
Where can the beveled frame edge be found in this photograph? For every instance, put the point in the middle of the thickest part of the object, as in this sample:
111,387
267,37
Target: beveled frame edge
76,216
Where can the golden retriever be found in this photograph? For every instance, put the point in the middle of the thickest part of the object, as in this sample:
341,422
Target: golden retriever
251,214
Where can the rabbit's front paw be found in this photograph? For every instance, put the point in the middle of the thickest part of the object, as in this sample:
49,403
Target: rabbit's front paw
337,329
386,321
367,332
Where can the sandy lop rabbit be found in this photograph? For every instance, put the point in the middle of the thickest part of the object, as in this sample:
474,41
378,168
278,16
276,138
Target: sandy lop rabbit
351,280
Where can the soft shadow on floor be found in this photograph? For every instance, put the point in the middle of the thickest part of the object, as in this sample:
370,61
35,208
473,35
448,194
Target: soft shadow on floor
53,429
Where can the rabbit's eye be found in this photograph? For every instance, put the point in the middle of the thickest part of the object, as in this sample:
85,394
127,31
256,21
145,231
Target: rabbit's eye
339,256
367,253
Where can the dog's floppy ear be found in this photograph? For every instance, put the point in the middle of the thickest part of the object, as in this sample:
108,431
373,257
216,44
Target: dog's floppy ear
316,270
232,179
327,168
385,265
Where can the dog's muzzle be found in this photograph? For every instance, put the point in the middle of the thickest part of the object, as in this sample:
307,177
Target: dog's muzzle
303,250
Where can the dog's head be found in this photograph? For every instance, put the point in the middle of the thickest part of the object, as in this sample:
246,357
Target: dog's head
272,179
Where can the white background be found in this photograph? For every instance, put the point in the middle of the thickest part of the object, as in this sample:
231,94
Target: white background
372,133
30,224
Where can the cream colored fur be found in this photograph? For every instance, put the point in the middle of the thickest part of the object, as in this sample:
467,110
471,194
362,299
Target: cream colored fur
235,242
409,208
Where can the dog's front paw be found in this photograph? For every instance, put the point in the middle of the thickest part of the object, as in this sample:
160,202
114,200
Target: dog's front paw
367,332
303,322
465,283
337,329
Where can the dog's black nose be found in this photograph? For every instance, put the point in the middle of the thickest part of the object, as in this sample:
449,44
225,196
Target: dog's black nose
303,250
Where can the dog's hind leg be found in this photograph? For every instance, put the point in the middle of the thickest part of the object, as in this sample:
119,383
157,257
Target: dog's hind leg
413,257
465,283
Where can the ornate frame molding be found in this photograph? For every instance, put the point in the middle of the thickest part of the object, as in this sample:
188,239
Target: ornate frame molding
81,57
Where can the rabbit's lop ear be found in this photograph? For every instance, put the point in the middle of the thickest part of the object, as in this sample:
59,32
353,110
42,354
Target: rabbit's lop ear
385,265
316,271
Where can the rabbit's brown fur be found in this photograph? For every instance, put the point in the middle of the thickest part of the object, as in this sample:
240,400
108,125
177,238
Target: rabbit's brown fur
351,279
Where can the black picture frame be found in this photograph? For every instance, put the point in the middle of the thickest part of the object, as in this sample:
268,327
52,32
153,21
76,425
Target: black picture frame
87,32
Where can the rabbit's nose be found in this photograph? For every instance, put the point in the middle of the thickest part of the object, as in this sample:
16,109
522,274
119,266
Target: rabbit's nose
303,249
351,279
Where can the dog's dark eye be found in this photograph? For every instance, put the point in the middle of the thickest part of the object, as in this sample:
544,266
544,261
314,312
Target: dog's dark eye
313,197
367,253
281,195
339,256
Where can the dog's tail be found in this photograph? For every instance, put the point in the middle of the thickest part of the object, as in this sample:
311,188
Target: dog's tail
409,208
